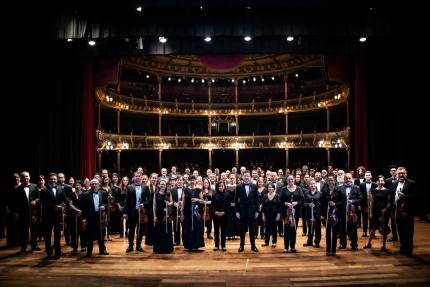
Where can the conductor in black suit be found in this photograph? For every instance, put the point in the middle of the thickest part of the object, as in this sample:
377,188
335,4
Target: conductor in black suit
246,201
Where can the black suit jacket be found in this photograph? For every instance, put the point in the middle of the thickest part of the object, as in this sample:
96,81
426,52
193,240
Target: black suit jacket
23,204
50,202
410,195
247,206
354,194
175,195
130,200
363,191
87,204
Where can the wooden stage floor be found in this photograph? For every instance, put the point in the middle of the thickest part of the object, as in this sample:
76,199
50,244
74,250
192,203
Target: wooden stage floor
308,267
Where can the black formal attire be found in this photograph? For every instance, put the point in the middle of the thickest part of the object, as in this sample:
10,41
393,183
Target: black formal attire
290,230
149,226
51,197
208,223
305,188
12,218
247,205
233,223
177,224
338,197
68,191
192,235
220,203
91,203
363,212
136,195
259,223
26,219
348,226
381,199
405,214
314,224
271,208
163,238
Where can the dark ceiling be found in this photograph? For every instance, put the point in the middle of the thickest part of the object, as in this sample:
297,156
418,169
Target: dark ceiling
319,26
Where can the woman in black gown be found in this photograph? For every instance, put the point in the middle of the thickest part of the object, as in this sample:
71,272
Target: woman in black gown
271,209
162,204
233,226
191,216
380,202
220,205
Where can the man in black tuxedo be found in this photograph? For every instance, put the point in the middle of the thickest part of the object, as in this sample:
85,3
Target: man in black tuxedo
27,197
390,183
246,202
365,187
68,191
405,197
53,200
353,197
94,202
177,193
137,194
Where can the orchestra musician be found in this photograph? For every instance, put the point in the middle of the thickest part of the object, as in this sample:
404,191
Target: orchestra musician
220,205
313,199
353,196
162,210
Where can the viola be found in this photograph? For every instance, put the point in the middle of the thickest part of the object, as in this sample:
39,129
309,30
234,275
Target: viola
143,216
103,219
112,202
332,218
290,219
350,211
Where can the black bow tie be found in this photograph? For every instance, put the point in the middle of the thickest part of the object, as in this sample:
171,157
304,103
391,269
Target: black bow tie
368,182
95,192
246,184
137,185
347,185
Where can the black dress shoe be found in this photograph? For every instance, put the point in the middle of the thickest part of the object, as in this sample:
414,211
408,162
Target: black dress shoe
216,248
240,249
224,249
129,249
264,244
383,249
88,254
393,240
104,253
306,244
139,248
342,247
254,248
317,245
293,250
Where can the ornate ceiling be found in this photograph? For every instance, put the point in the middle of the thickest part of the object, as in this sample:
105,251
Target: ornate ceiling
241,65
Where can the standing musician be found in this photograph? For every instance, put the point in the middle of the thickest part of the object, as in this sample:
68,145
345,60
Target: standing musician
365,187
380,202
207,207
191,215
137,193
291,202
313,199
220,205
247,206
333,207
177,193
53,200
390,183
353,196
94,207
147,203
27,201
271,214
404,197
75,214
162,210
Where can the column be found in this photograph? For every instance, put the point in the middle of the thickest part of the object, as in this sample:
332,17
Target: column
328,118
100,159
209,125
159,124
160,163
159,80
286,123
118,160
287,157
237,157
236,90
349,157
237,125
118,121
328,156
286,86
99,118
209,92
210,157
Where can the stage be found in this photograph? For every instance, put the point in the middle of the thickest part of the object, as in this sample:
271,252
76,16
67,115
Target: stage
270,267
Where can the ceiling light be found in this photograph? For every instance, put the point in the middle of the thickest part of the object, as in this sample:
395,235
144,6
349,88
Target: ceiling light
91,42
69,40
208,39
139,8
290,38
162,39
297,75
247,38
363,39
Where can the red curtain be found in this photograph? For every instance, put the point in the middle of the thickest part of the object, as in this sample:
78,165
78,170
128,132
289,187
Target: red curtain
352,71
97,72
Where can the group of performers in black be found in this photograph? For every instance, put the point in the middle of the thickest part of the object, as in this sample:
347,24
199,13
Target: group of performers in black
174,209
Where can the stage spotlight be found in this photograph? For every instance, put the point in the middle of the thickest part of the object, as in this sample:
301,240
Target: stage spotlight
290,38
70,40
297,75
162,39
203,81
192,80
208,39
91,42
247,38
140,43
363,39
139,8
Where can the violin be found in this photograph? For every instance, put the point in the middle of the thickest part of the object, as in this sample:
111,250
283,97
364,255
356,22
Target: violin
384,229
34,210
103,219
350,211
112,202
332,218
289,219
143,216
